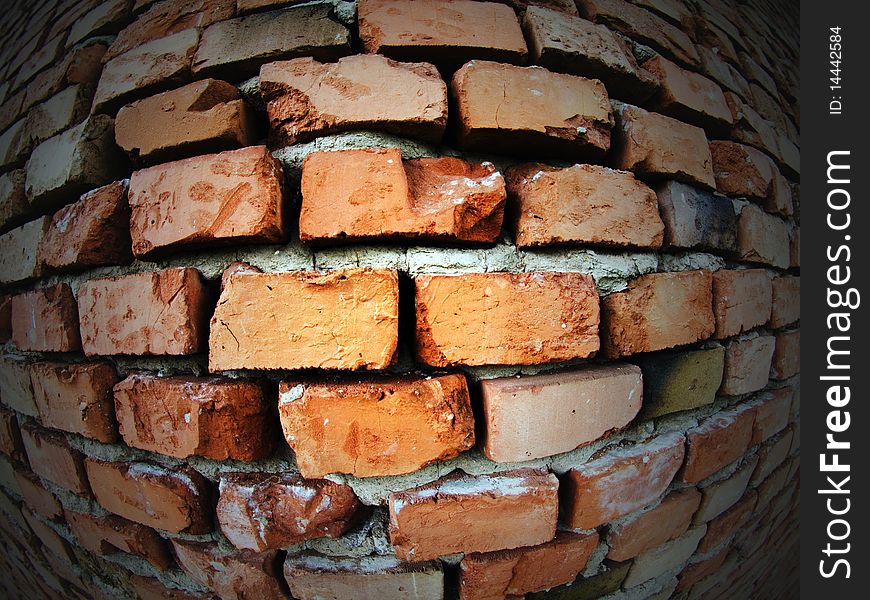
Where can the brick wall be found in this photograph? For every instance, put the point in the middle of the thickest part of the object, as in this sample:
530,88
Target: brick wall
391,299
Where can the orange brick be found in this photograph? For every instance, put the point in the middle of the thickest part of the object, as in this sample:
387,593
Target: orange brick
762,238
741,300
695,572
658,311
688,96
747,172
786,355
376,427
620,482
354,313
163,312
747,365
772,415
46,320
52,458
724,493
105,536
667,521
717,441
506,318
786,301
230,575
464,513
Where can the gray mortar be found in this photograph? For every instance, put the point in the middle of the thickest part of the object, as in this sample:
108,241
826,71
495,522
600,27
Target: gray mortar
690,261
595,562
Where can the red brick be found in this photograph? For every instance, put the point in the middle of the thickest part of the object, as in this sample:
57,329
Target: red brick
19,251
786,355
530,110
695,572
376,427
352,195
263,511
688,96
620,482
164,312
174,500
583,204
200,416
36,497
76,398
105,536
231,197
654,146
46,320
16,390
355,313
724,493
464,513
745,171
52,458
80,64
771,455
505,318
203,116
786,301
446,33
772,415
762,237
93,232
669,557
747,365
658,311
233,576
667,521
741,300
542,415
306,99
717,442
147,588
10,436
513,573
720,528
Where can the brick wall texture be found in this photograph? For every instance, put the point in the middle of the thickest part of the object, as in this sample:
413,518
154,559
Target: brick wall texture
394,299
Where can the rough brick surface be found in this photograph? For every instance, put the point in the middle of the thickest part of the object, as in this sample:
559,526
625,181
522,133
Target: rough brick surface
667,521
771,456
658,311
13,200
741,300
163,312
786,301
542,415
76,398
669,556
46,320
356,311
261,511
747,365
676,381
232,197
19,251
772,415
762,238
696,218
36,497
717,441
721,527
696,571
620,482
510,573
583,204
506,318
201,416
16,389
305,98
786,355
174,500
721,495
107,535
10,436
207,115
744,171
384,426
52,458
688,96
463,513
531,110
354,195
230,575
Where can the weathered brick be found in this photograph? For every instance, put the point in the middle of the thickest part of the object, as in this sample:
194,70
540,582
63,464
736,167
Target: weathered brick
312,576
772,414
8,481
741,300
306,99
446,33
667,521
36,497
786,301
696,571
13,200
46,320
10,436
12,150
688,96
531,110
230,575
772,487
742,170
19,251
620,482
658,147
762,238
771,455
203,116
106,18
658,311
52,458
717,442
353,195
148,588
201,416
16,390
107,535
54,547
569,44
513,573
667,557
356,312
716,66
164,312
750,127
174,500
583,204
696,218
747,365
81,64
506,318
76,398
383,426
232,197
262,511
542,415
725,521
588,588
676,381
786,355
464,513
93,232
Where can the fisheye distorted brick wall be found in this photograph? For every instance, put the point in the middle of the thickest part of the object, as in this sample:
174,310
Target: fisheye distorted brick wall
399,299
